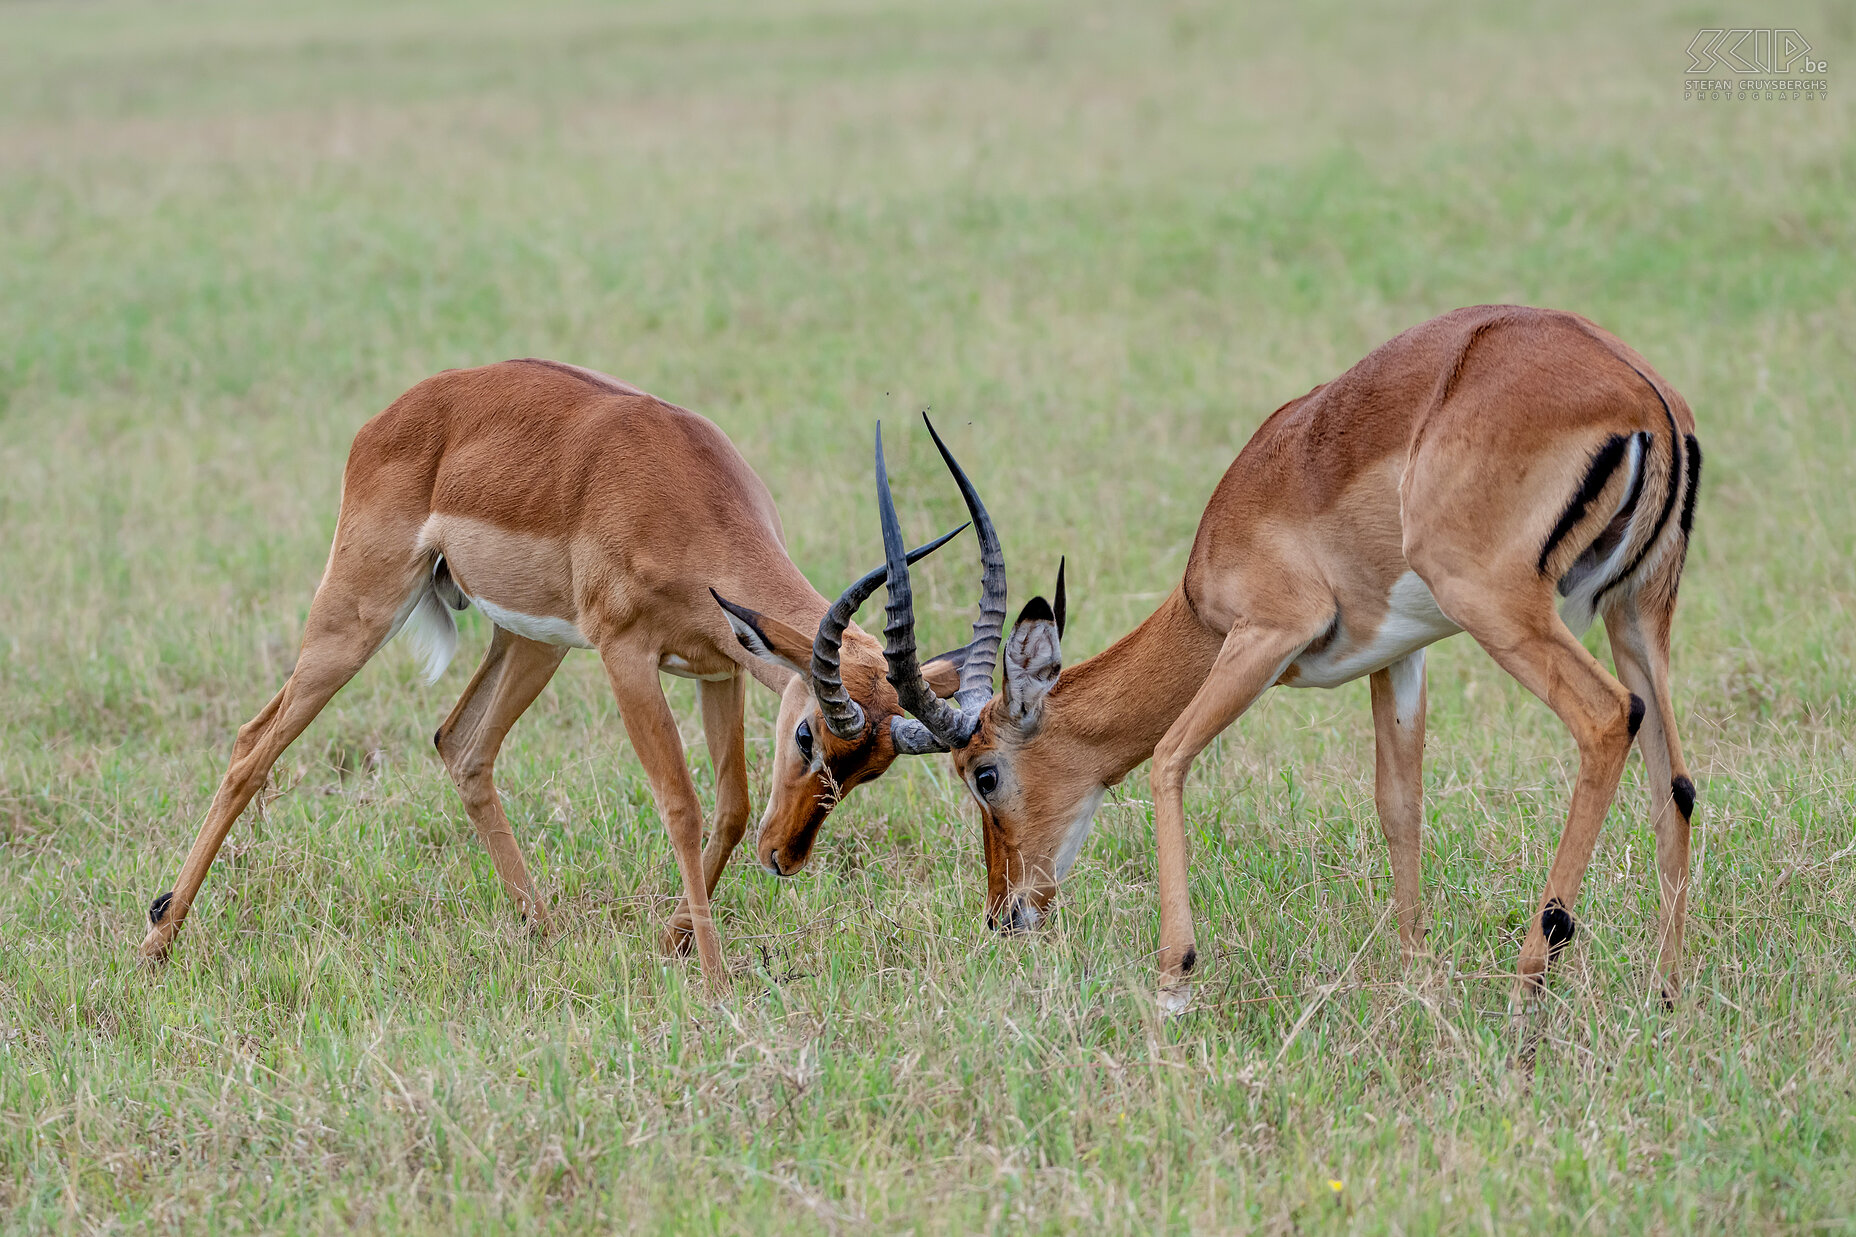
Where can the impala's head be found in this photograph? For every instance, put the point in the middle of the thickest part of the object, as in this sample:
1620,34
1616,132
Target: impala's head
1036,793
841,721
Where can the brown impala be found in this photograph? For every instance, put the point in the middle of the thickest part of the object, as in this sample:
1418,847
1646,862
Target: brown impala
576,511
1504,471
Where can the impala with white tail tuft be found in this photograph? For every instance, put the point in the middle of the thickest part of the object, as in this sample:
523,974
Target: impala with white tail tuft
576,511
1500,470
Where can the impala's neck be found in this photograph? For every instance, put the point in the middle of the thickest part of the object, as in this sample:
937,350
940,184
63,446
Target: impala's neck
766,580
781,590
1118,704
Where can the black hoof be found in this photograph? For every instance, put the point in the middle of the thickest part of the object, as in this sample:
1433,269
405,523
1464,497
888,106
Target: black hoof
159,911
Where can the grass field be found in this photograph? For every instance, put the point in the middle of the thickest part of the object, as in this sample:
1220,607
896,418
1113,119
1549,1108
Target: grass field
1103,242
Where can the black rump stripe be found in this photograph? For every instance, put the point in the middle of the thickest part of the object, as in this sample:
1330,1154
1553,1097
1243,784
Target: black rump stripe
1694,483
1605,461
1677,458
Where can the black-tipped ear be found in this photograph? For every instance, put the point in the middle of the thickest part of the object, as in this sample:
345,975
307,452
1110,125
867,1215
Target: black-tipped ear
1058,608
943,670
1033,660
745,622
766,638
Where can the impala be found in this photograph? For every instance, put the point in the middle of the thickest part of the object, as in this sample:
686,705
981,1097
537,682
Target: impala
1505,471
576,511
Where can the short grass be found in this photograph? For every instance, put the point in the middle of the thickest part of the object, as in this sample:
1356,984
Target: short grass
1103,242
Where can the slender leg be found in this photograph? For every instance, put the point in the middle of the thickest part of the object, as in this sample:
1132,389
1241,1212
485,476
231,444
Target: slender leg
723,705
352,614
1521,631
1398,786
1640,646
1250,661
512,674
652,729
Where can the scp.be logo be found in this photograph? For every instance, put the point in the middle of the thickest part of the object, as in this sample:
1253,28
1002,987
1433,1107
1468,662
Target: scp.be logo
1752,51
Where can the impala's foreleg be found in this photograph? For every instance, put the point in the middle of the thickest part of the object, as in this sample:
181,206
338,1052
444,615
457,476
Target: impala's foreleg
1517,625
513,672
1398,786
1640,646
349,619
1251,660
652,729
723,705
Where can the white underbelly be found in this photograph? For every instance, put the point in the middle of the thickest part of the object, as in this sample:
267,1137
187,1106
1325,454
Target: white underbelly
542,628
670,663
1412,621
546,629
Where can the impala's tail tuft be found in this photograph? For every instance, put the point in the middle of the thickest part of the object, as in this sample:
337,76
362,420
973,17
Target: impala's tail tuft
429,627
432,633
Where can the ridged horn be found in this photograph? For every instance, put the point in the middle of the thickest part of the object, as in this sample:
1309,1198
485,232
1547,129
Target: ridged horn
989,628
950,725
843,716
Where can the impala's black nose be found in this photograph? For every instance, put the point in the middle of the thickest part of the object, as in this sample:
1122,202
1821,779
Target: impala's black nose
1020,916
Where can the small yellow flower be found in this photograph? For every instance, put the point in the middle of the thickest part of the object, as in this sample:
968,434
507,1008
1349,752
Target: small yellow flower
1336,1186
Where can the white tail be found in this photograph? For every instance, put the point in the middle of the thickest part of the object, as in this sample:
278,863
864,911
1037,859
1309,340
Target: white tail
431,632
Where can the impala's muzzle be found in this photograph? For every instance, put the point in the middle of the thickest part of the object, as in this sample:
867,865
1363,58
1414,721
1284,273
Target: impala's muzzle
786,852
1020,914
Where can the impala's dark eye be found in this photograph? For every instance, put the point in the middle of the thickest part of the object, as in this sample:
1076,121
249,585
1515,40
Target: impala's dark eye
803,737
986,781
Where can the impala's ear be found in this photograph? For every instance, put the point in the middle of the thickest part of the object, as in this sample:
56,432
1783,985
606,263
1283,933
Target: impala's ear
1058,608
1033,659
943,672
768,638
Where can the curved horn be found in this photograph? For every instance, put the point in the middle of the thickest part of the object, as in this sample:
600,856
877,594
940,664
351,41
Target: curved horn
983,652
948,725
843,716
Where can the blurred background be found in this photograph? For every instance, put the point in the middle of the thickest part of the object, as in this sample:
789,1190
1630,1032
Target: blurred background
1102,241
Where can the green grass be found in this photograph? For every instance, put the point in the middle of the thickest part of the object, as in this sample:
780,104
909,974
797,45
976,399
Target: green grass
1103,242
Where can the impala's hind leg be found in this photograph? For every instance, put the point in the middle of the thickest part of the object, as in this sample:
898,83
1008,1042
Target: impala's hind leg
723,705
364,593
1515,621
1398,786
512,674
1639,632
